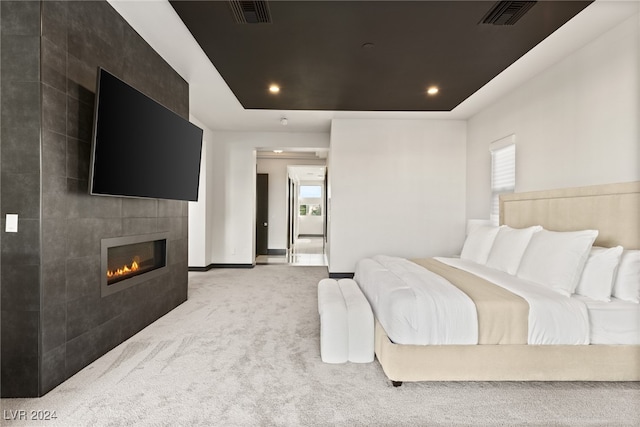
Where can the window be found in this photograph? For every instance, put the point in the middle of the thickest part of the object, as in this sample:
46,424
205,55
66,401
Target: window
314,210
503,174
310,191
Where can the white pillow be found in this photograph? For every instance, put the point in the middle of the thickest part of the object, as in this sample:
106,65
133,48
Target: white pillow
478,243
627,283
599,272
556,259
509,246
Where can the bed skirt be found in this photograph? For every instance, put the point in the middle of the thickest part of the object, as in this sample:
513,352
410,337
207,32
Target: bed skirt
506,362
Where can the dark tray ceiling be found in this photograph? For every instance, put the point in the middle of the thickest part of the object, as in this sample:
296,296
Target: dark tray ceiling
320,52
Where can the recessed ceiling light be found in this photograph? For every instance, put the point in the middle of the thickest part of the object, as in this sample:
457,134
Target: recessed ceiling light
432,90
274,88
277,151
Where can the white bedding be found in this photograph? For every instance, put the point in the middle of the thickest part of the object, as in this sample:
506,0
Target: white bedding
414,305
553,318
397,290
614,322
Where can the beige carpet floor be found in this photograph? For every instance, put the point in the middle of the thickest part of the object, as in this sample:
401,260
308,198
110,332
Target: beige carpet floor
244,351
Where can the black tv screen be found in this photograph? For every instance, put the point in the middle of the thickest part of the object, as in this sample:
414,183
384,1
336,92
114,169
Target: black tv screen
141,148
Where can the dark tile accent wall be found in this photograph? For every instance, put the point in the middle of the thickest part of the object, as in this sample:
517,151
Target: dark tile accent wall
72,325
20,193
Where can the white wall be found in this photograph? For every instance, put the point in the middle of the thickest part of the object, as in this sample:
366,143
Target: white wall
311,225
228,222
278,191
575,124
396,187
199,228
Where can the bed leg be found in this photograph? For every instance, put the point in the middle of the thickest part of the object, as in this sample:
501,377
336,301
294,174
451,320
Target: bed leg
396,383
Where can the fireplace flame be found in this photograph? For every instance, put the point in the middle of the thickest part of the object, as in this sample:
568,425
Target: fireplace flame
123,271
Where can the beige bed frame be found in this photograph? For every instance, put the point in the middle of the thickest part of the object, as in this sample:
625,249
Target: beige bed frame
614,210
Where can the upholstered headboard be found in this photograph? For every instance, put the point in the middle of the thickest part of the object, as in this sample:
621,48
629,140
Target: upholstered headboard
612,209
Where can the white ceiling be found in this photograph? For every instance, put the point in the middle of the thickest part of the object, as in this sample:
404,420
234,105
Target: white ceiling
301,172
306,173
213,103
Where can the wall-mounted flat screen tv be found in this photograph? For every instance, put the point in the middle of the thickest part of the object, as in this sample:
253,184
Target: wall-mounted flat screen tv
141,148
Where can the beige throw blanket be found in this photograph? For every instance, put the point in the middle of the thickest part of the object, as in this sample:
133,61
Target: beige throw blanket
503,317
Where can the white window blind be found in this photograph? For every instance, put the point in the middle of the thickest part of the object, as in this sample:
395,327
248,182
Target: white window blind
503,176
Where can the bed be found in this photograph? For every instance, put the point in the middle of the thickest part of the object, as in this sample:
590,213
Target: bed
608,352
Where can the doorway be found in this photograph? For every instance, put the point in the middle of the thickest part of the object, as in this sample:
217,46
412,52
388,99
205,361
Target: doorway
295,225
307,209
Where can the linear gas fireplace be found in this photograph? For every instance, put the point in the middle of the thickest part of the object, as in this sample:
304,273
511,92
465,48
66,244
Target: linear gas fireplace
127,261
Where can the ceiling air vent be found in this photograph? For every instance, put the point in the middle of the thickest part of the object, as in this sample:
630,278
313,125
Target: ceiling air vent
250,12
507,12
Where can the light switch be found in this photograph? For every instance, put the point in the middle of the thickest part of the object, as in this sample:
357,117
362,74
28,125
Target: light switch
11,225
